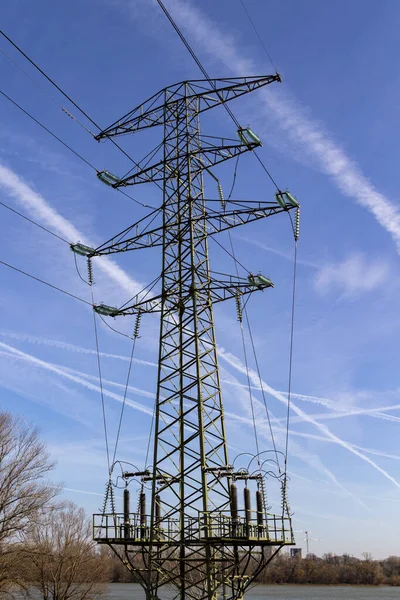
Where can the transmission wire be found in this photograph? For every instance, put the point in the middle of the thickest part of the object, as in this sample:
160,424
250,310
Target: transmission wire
103,408
247,366
251,338
78,271
262,388
291,347
150,435
124,401
214,239
266,170
114,330
44,282
69,99
258,35
234,179
46,92
48,130
197,60
68,147
206,75
47,77
34,222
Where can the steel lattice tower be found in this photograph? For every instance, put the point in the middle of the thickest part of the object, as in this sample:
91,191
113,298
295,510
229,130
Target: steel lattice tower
193,537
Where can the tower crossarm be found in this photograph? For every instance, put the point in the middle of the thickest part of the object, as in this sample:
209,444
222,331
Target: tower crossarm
219,289
215,223
210,94
207,156
232,286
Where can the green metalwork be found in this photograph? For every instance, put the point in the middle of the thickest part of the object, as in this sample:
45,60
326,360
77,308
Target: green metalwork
192,538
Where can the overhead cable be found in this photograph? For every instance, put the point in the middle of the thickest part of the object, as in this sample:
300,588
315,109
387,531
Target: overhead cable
103,406
67,146
196,59
291,342
50,80
47,129
34,222
2,262
258,35
207,76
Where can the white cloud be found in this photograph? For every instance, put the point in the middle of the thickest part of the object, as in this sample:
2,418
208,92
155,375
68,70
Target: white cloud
353,276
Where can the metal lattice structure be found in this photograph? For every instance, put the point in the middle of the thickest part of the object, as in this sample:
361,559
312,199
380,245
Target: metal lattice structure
193,538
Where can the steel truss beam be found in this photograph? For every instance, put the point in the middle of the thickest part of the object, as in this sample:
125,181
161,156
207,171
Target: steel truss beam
210,94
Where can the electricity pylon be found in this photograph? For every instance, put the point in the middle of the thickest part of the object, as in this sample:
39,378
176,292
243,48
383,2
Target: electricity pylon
194,537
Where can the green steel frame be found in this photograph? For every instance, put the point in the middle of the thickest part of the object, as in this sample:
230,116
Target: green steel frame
193,544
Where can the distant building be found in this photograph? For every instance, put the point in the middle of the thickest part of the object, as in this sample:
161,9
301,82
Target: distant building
295,552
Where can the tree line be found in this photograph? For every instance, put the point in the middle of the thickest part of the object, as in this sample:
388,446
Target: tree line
46,546
331,569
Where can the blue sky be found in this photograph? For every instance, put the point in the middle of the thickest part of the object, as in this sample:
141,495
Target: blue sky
330,136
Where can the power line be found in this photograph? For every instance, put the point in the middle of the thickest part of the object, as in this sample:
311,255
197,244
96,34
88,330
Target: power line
41,88
113,329
196,59
266,170
44,282
124,401
258,35
47,129
50,80
206,75
67,146
291,345
47,77
34,222
234,179
103,406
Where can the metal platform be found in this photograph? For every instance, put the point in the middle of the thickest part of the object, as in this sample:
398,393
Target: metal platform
206,527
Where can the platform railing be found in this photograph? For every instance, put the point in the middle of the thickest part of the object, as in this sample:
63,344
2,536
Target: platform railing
272,529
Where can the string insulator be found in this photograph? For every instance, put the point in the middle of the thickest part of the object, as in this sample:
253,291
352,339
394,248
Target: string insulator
137,324
112,503
221,196
285,503
239,307
108,498
297,224
103,512
90,270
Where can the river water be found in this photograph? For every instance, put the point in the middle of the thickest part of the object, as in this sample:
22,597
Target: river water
132,591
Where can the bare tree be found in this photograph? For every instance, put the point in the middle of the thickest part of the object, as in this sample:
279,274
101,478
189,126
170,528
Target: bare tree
24,489
63,561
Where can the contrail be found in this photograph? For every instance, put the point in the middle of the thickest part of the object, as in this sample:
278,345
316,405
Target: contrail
373,412
90,386
82,492
72,347
321,438
15,353
131,388
305,133
310,459
38,208
339,413
238,365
